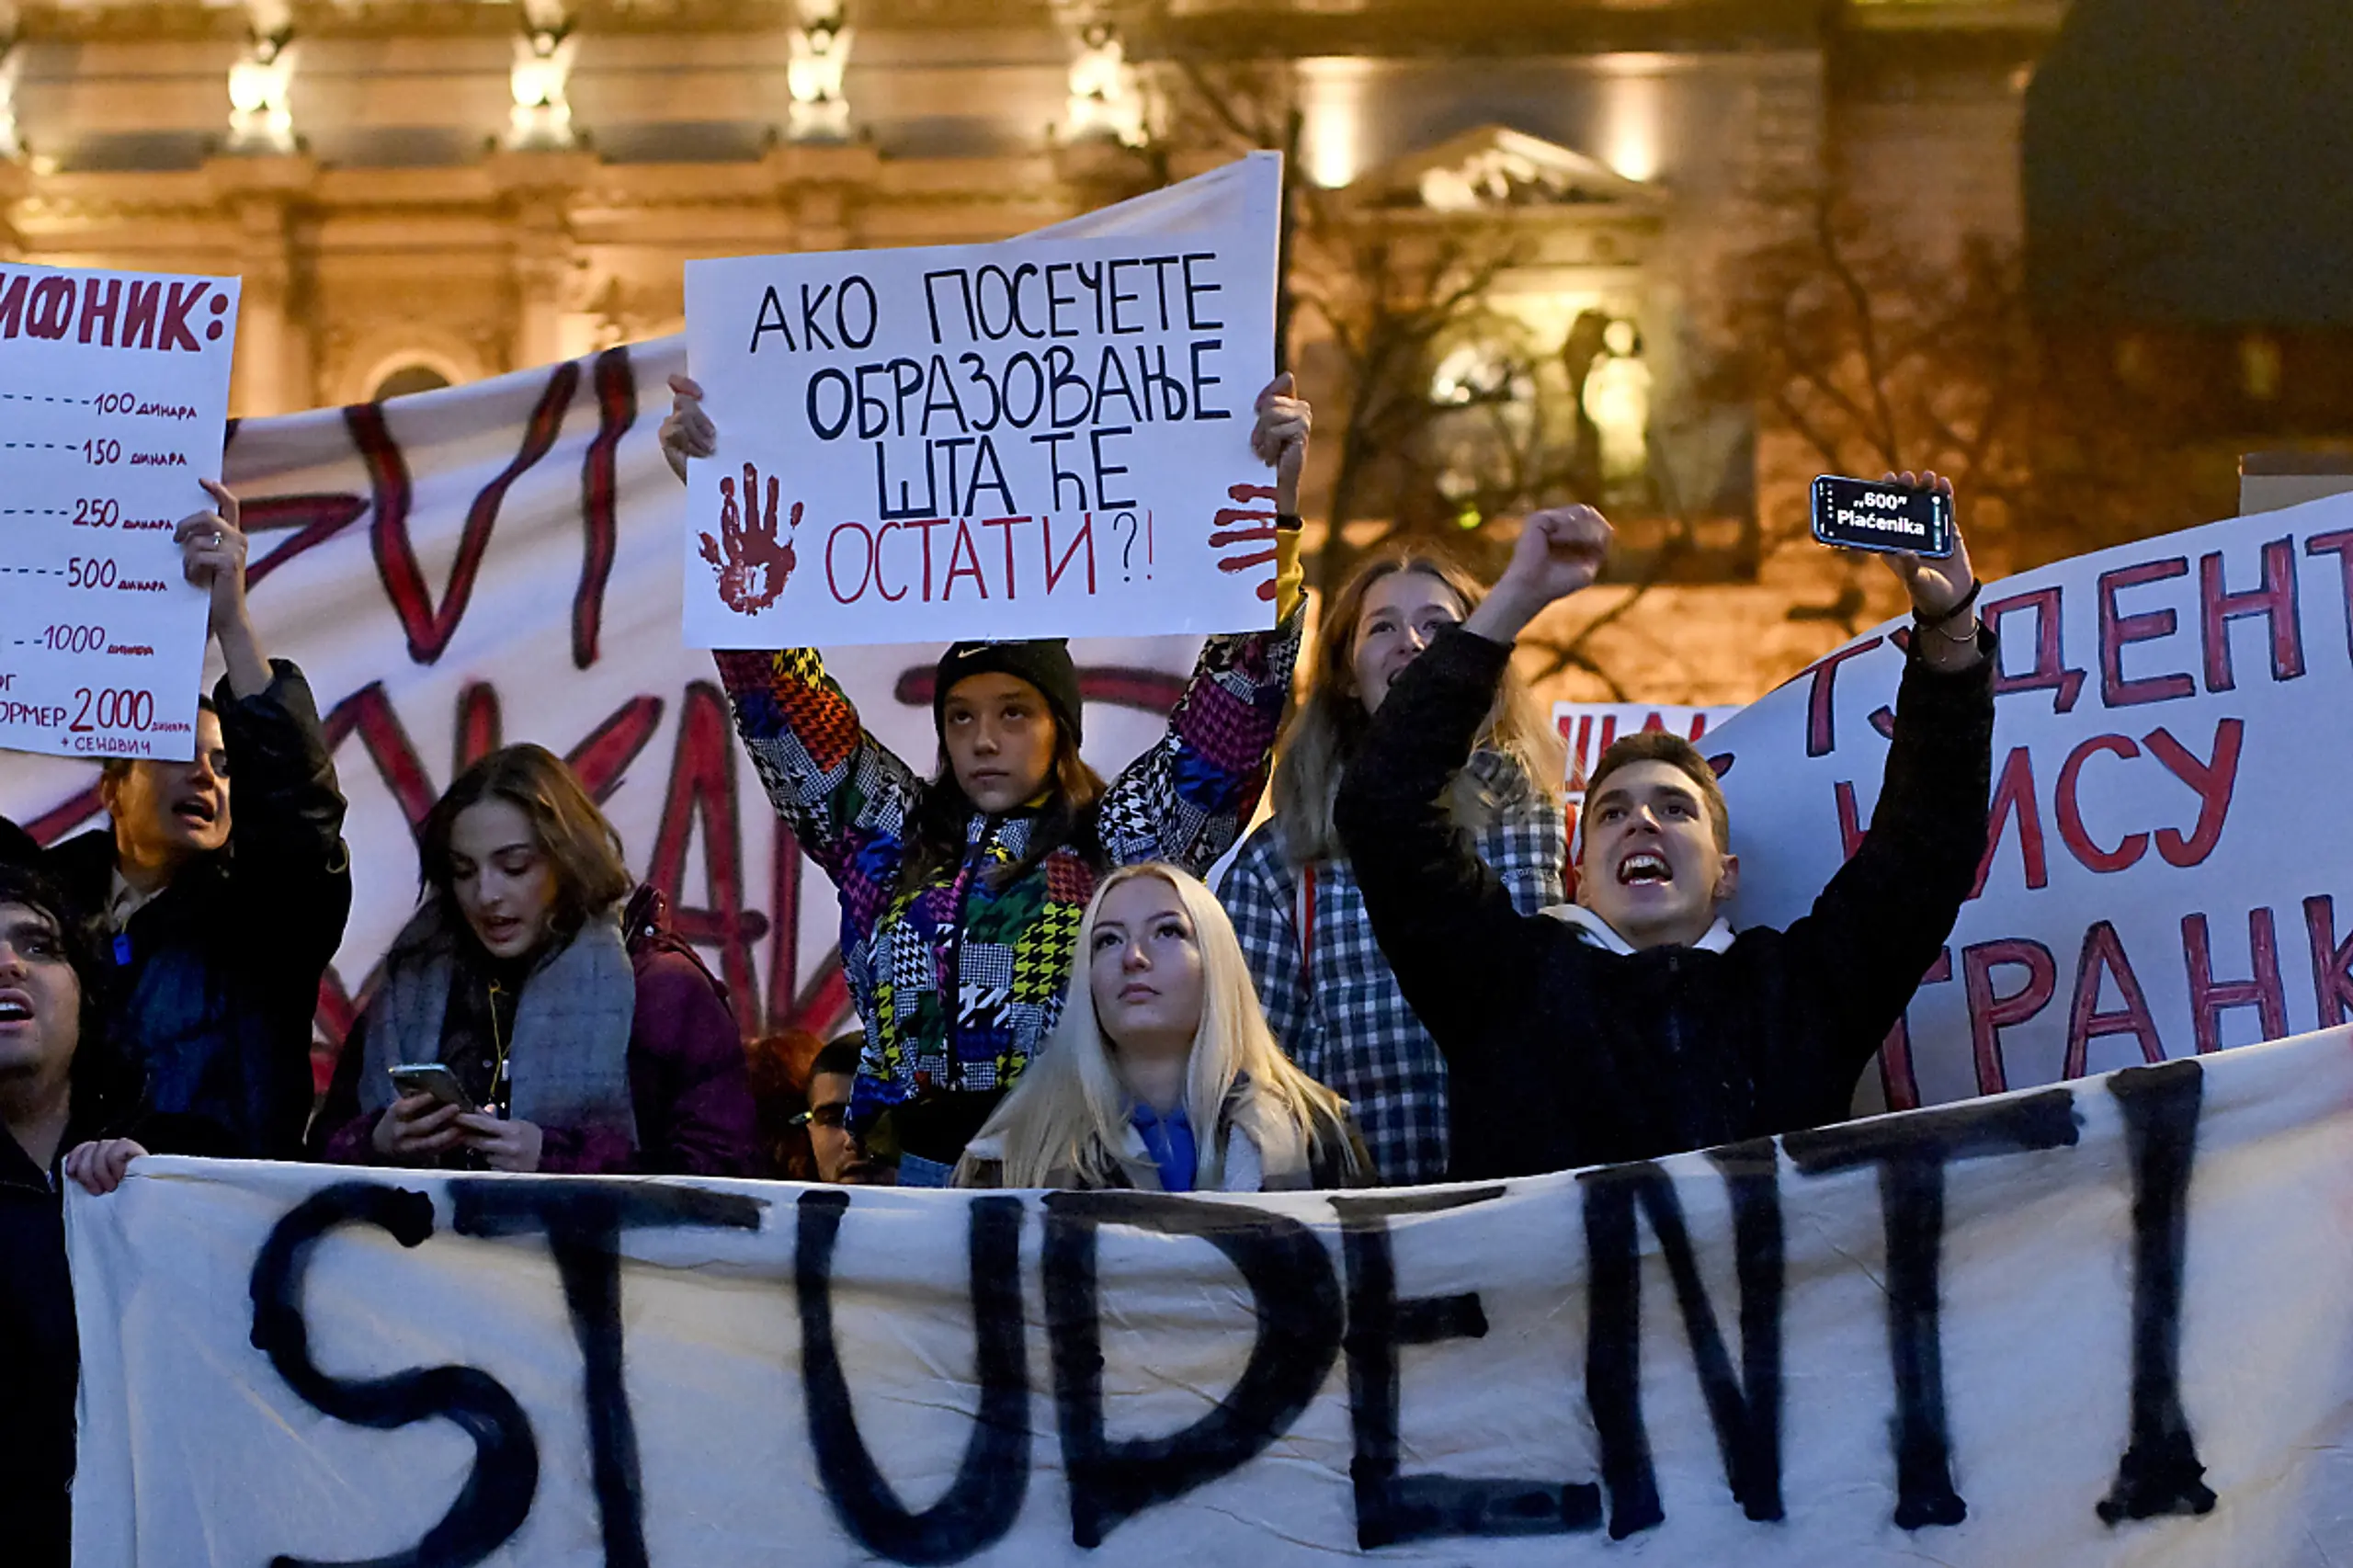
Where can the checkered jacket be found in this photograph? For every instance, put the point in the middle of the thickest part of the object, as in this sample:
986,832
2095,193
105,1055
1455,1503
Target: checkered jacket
959,981
1340,1014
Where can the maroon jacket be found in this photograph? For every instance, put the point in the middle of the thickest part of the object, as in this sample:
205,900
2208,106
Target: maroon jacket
687,1076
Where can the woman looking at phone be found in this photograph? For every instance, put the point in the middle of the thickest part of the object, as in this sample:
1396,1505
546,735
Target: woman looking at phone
1162,1076
582,1036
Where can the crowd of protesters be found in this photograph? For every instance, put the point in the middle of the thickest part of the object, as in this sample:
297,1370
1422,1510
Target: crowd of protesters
1388,986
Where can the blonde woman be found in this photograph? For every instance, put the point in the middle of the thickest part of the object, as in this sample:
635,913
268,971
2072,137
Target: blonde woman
1162,1076
1330,995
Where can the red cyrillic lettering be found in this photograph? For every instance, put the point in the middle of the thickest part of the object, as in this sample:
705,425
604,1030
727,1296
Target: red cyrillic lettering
963,561
12,318
2210,998
702,784
137,316
2116,631
1005,526
2332,962
2339,544
2103,955
98,308
2051,673
2212,780
179,298
2070,810
1989,1015
1821,731
2275,601
1897,1080
865,567
2013,797
50,310
1851,826
1085,535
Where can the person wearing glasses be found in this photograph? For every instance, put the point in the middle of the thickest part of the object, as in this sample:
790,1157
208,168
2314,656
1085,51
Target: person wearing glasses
840,1147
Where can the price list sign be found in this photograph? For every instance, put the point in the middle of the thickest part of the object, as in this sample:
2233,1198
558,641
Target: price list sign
114,396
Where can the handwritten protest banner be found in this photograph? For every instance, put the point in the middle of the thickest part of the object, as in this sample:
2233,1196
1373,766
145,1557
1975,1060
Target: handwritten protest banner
1049,436
1588,728
2099,1324
2170,868
114,388
498,563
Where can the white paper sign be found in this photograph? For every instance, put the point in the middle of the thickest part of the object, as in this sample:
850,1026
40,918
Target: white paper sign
2104,1325
1040,437
2171,868
114,391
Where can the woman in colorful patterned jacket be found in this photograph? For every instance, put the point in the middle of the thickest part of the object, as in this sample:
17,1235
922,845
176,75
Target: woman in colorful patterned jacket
960,893
1328,988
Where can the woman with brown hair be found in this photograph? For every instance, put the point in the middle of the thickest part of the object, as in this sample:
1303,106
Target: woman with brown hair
557,1030
1329,995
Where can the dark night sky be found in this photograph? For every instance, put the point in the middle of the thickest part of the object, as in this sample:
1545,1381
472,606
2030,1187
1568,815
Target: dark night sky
2194,159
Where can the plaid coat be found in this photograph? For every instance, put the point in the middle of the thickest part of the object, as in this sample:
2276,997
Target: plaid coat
957,982
1337,1010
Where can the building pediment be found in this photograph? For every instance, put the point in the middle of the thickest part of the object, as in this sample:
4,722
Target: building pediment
1494,167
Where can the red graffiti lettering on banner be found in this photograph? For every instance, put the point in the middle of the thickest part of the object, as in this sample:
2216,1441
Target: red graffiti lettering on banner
481,725
1821,731
614,380
2210,998
314,519
702,786
429,627
2072,832
2332,962
2213,780
2117,631
1989,1013
2275,601
2103,958
2014,798
2339,544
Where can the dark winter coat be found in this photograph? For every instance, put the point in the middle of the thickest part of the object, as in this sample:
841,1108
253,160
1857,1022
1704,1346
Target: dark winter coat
216,1000
1563,1053
42,1362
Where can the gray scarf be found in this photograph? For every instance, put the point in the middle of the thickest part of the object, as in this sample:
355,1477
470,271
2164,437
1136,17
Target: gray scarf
569,1059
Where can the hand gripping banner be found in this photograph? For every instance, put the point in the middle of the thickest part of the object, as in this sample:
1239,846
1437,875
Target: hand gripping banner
2108,1322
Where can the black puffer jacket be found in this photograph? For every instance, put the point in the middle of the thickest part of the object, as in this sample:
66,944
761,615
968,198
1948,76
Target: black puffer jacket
42,1362
1563,1053
215,1004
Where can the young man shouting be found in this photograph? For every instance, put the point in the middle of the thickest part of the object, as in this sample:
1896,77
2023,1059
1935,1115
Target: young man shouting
1640,1025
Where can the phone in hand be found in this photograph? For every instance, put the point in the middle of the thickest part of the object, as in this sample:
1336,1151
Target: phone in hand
433,1078
1867,514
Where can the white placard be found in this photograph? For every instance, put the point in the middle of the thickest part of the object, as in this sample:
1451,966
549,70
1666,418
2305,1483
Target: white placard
1048,436
114,389
2102,1326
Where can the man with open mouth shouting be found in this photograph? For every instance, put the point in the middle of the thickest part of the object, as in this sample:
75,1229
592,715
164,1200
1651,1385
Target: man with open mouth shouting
220,925
1634,1023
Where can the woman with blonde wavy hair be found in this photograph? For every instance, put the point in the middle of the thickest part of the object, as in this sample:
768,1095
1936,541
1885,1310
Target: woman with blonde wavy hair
1329,993
1161,1074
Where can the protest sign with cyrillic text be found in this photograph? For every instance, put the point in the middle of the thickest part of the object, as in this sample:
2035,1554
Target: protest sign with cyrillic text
1043,437
114,389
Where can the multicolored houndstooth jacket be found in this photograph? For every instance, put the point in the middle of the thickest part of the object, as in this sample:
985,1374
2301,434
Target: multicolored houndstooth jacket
1002,954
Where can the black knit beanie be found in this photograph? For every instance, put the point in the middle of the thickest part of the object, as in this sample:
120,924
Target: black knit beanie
1044,663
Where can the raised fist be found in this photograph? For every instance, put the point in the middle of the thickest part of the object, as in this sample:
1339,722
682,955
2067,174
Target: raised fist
753,565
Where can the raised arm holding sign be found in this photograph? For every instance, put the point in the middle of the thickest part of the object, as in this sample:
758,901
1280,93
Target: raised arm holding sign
960,892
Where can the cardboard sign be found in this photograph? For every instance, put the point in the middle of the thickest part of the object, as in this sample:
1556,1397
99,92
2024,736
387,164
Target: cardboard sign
114,389
2170,871
1043,437
2100,1324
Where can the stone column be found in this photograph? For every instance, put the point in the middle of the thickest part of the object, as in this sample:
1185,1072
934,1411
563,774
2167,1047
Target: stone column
538,189
273,370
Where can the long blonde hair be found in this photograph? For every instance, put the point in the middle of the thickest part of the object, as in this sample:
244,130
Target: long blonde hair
1327,729
1070,1111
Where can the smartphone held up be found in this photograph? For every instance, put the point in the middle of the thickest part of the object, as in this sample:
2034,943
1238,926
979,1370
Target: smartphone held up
1882,516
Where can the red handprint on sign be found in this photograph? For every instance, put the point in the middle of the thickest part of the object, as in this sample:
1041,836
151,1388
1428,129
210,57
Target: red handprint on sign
1240,548
753,565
